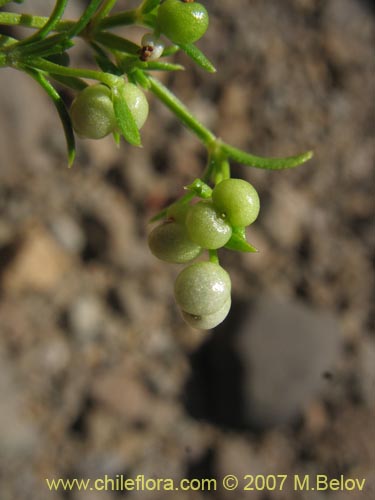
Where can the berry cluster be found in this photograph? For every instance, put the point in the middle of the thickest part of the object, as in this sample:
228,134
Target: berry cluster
202,289
92,112
206,218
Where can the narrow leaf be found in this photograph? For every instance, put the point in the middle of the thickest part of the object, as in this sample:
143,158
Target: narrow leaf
200,188
5,41
238,241
115,42
61,109
54,44
4,2
103,61
197,55
160,66
266,163
170,50
69,81
139,77
84,19
52,22
124,118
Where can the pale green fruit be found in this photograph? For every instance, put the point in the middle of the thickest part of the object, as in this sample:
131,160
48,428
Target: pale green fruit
170,242
208,321
92,112
202,288
237,200
206,227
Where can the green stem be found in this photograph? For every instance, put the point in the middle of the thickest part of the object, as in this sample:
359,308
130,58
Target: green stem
50,25
103,12
125,18
50,67
266,163
29,21
213,256
181,111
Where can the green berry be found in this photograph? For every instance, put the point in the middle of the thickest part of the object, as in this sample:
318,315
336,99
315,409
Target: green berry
182,21
92,112
206,226
202,288
137,103
170,242
237,200
208,321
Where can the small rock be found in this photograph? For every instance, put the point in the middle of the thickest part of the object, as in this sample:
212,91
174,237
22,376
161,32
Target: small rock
86,318
69,234
39,263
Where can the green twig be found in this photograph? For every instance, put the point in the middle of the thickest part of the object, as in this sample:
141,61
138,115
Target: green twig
181,111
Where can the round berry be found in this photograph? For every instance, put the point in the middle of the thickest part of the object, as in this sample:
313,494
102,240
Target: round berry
202,288
152,47
92,112
170,242
237,200
206,226
137,103
182,21
208,321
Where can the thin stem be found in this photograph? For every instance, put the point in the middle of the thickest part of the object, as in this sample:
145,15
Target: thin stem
50,24
125,18
50,67
266,163
213,256
103,11
180,110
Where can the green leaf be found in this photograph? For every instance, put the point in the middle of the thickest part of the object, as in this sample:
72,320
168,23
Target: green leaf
266,163
115,42
170,50
4,2
82,22
103,61
238,241
61,109
52,22
6,41
139,77
197,55
55,44
69,81
200,189
160,66
149,5
124,118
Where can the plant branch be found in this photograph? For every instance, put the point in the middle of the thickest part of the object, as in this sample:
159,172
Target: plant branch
181,111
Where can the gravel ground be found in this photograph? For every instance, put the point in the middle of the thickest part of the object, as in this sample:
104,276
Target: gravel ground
98,373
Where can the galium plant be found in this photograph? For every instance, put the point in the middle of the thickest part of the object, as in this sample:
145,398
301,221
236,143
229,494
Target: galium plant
216,208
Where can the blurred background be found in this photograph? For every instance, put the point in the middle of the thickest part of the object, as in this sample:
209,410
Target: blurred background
98,373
